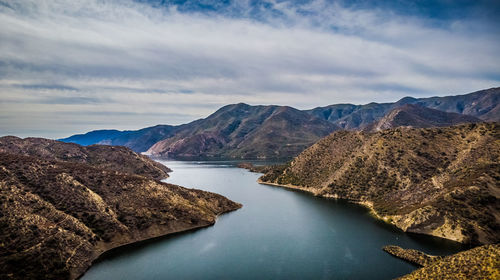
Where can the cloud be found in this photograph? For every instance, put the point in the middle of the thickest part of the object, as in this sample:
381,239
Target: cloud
121,58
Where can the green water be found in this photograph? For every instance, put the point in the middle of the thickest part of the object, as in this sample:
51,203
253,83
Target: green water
278,234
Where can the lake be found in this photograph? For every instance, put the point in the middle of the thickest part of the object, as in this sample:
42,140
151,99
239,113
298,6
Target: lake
278,234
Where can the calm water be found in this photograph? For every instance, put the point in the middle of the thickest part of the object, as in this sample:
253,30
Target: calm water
278,234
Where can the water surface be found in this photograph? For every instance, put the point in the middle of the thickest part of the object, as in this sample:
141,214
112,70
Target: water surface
278,234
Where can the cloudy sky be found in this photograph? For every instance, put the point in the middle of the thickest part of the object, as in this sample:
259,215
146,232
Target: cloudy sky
70,66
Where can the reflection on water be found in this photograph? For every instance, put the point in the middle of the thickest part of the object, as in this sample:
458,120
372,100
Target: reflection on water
278,234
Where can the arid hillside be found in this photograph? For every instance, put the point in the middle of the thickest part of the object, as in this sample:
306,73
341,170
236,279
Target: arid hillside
56,217
437,181
116,158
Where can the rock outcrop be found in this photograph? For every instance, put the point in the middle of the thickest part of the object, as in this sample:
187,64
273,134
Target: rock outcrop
437,181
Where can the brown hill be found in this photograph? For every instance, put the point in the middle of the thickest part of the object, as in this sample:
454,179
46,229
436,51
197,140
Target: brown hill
419,116
117,158
244,131
56,217
437,181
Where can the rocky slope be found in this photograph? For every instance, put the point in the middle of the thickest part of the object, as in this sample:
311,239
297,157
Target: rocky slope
437,181
484,104
244,131
418,116
479,263
119,159
56,217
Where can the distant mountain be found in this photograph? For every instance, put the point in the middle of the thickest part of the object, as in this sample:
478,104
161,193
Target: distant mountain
418,116
244,131
141,140
93,137
437,181
484,104
61,206
120,159
138,140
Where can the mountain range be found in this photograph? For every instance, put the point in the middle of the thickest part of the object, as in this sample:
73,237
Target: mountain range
252,132
483,104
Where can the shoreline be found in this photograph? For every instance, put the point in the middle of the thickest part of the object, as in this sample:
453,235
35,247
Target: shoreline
103,248
367,204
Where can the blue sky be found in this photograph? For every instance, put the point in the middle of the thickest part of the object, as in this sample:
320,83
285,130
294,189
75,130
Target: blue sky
72,66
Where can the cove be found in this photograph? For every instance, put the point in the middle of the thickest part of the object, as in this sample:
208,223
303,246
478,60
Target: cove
278,234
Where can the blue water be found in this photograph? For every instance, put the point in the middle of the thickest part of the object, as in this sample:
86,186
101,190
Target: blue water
278,234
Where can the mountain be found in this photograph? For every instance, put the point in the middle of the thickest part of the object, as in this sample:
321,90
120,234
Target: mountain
58,216
141,140
418,116
114,158
93,137
244,131
138,140
483,104
443,182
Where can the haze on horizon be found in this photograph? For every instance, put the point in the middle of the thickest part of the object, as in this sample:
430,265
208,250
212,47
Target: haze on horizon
69,67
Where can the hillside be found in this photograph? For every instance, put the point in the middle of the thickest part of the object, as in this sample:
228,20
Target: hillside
437,181
56,217
119,159
419,116
479,263
483,104
244,131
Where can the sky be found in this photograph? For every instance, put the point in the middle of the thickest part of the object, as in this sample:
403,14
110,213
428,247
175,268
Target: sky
72,66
